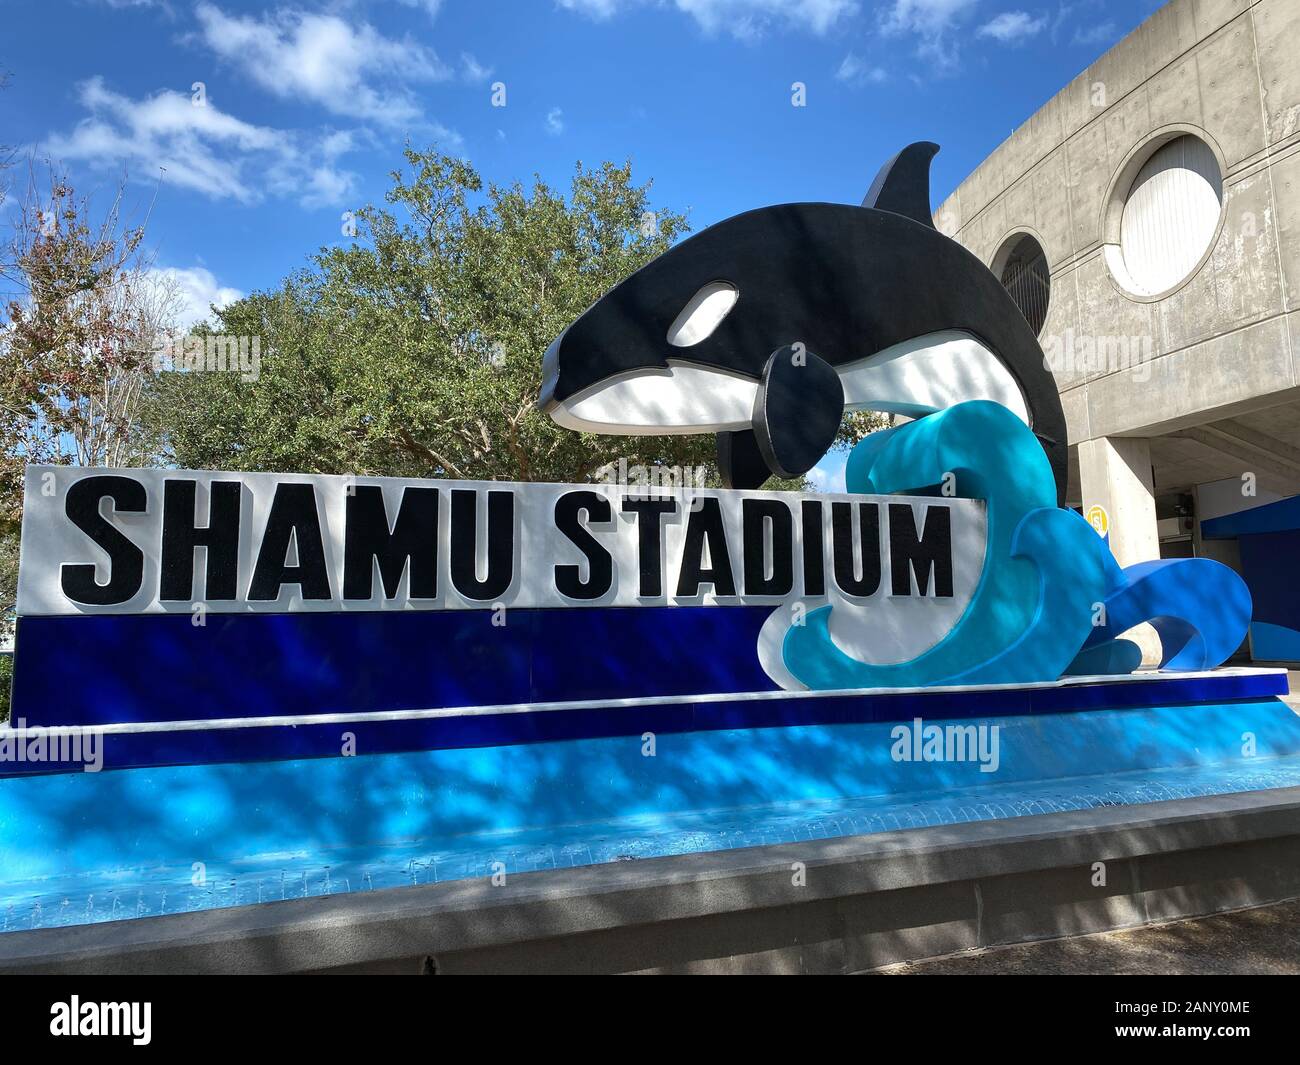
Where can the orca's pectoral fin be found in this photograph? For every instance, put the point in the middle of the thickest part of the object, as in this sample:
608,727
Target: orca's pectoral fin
797,411
739,460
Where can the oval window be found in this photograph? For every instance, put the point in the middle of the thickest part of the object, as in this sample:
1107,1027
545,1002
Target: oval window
1170,216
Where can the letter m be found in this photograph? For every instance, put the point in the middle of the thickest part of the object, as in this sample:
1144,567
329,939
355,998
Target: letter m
925,554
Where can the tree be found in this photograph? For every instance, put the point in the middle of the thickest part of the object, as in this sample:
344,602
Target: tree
6,154
416,349
76,337
8,537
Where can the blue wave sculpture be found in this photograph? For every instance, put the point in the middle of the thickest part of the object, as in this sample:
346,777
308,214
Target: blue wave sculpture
1051,598
1198,607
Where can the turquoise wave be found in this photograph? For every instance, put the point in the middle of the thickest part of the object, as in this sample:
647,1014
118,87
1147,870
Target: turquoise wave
1051,597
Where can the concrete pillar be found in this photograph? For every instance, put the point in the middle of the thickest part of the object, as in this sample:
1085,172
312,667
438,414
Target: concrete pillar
1115,474
1117,488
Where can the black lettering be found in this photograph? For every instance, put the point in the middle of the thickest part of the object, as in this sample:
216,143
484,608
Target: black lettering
705,526
293,521
569,511
500,536
814,550
842,547
413,539
181,535
921,554
757,516
649,517
125,560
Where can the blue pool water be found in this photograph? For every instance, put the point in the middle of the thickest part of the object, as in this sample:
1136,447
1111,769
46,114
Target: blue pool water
80,848
94,897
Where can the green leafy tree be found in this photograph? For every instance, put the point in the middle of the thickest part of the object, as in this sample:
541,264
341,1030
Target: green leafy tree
415,350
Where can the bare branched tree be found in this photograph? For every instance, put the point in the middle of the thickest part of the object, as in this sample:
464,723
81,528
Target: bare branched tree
79,333
80,320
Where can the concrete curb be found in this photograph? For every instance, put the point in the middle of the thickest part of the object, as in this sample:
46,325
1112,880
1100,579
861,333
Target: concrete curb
866,901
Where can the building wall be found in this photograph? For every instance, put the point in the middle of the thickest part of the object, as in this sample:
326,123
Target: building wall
1227,338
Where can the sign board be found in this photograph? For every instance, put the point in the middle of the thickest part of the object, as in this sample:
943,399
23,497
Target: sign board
158,541
199,595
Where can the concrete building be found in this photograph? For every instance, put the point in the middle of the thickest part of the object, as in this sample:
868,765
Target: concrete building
1147,221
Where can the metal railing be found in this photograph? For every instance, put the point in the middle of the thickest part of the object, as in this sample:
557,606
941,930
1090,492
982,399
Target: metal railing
1029,283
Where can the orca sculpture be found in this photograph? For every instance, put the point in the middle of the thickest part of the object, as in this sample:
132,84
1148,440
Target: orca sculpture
766,327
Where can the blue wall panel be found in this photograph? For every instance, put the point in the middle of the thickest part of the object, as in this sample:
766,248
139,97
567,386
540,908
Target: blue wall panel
1270,562
1274,643
161,667
1269,538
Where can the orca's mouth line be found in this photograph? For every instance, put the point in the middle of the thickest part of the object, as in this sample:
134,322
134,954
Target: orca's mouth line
917,377
681,398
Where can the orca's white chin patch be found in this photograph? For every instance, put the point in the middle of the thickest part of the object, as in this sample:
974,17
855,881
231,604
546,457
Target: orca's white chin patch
679,400
917,377
931,373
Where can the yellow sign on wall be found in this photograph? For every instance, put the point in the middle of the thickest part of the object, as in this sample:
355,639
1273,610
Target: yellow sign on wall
1097,517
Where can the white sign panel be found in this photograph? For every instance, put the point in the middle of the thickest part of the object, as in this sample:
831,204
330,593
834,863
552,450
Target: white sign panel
101,541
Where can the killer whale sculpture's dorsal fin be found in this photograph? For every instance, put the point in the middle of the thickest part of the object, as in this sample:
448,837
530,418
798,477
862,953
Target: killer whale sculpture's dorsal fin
903,184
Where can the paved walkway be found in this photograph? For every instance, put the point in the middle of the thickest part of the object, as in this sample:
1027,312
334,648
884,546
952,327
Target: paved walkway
1264,941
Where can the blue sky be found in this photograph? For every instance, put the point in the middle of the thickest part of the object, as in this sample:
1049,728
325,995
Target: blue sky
307,105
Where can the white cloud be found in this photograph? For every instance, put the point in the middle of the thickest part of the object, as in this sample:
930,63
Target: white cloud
856,71
554,121
1012,27
933,23
339,142
597,9
744,19
196,291
324,187
828,475
925,16
349,70
430,6
202,148
472,70
1099,33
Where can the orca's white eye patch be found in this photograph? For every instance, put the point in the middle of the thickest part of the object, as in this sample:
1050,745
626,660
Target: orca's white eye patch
703,314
